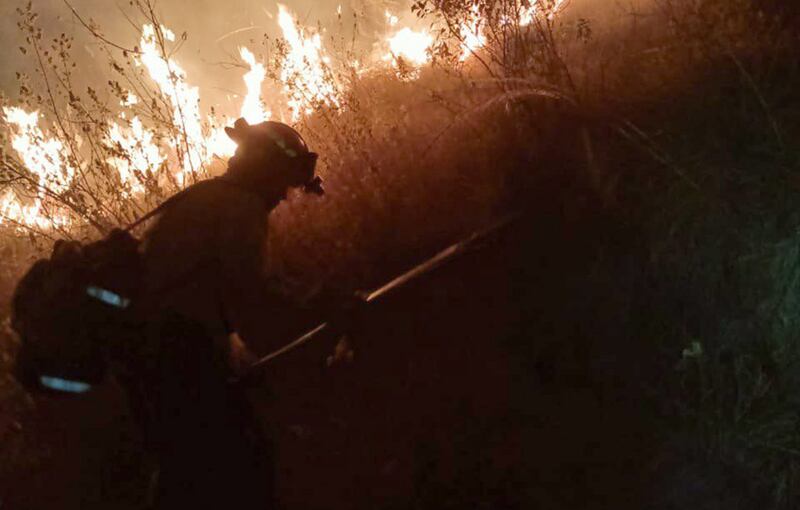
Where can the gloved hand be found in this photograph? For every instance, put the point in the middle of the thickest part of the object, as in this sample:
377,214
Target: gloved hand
240,357
345,312
343,353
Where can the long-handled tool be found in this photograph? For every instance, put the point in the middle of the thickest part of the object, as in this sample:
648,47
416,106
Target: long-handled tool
446,255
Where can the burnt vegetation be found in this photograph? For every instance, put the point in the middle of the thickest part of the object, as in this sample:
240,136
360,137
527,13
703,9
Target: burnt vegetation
630,342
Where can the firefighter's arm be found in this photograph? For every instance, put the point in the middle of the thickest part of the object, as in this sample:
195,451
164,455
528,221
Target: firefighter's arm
254,305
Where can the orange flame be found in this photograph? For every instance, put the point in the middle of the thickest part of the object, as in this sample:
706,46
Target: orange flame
307,82
13,211
44,158
41,155
410,47
219,144
305,73
528,14
472,33
185,100
253,109
142,154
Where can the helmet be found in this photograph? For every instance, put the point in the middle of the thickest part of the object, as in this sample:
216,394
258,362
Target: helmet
269,140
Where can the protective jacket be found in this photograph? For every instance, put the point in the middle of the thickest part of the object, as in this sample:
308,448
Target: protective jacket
205,272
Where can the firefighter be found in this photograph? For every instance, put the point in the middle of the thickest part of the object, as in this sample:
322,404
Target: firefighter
205,268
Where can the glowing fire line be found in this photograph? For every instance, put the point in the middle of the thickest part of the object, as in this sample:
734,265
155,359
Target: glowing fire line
409,51
45,158
305,72
142,155
307,80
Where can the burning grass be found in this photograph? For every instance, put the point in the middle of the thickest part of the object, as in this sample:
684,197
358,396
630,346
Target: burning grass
681,121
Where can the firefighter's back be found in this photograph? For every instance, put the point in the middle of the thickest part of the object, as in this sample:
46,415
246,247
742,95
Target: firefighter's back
211,451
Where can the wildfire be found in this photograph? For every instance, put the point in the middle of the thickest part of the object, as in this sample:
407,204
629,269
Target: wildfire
410,46
218,143
185,100
472,37
307,80
141,154
528,14
12,210
42,156
253,109
305,73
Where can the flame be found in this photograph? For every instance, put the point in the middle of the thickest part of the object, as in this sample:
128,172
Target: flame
10,208
45,158
13,211
129,100
42,156
20,215
305,73
528,14
142,154
219,143
410,46
253,109
307,83
472,37
185,100
408,50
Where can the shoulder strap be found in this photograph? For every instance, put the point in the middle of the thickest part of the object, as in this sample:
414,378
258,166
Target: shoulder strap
160,208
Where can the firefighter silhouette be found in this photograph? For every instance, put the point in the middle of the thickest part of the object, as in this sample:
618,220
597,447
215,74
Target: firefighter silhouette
206,290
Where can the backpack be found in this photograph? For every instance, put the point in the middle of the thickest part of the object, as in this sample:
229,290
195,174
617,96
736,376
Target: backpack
70,309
